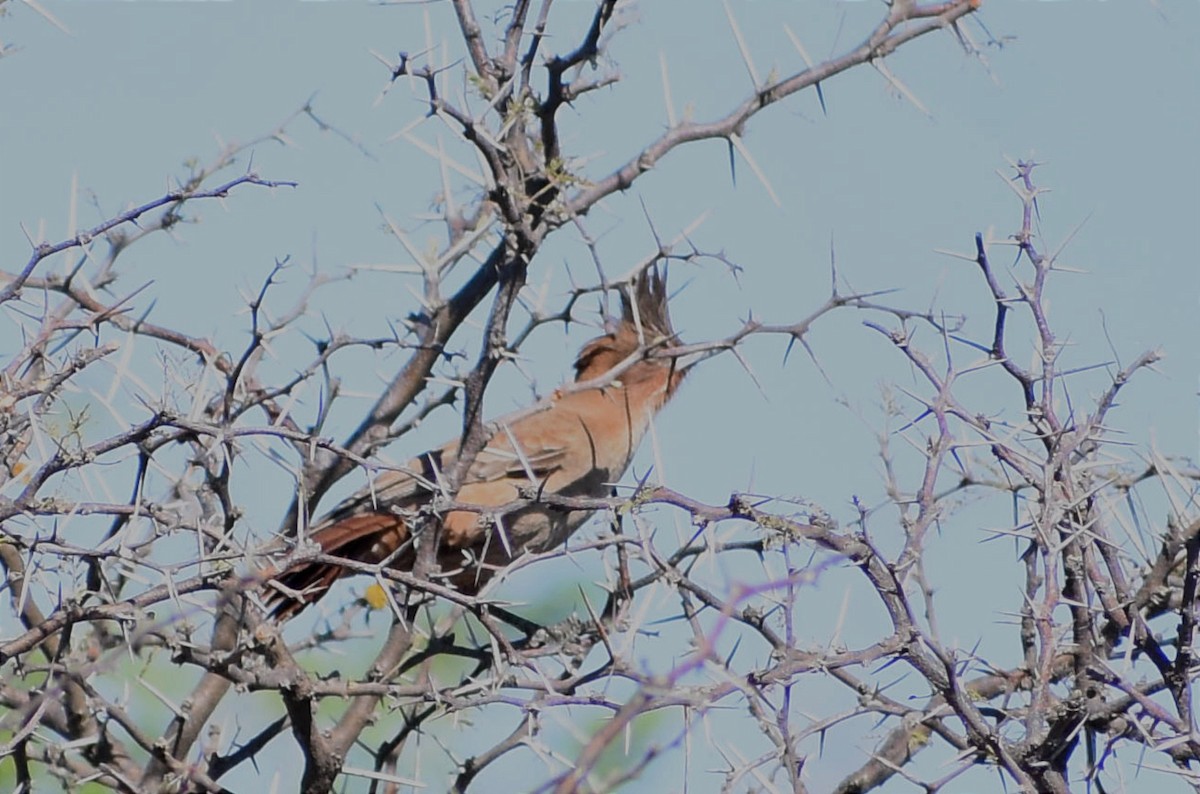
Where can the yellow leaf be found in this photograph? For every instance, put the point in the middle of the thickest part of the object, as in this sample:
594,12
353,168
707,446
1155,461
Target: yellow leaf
375,597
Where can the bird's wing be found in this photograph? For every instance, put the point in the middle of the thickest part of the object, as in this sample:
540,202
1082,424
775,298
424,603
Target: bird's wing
503,458
411,485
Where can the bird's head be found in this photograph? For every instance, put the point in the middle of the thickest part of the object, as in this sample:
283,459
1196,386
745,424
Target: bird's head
645,324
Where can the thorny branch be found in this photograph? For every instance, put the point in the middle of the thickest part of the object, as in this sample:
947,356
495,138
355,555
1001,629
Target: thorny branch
1096,662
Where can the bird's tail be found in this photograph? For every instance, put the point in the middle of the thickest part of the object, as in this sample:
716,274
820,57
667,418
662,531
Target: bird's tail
365,537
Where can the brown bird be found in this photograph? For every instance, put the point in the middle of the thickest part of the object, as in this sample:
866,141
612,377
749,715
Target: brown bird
576,447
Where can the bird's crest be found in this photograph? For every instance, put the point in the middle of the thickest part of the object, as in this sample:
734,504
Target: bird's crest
644,306
645,320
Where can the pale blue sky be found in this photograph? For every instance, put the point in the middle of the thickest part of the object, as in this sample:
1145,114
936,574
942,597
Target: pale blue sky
1104,93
